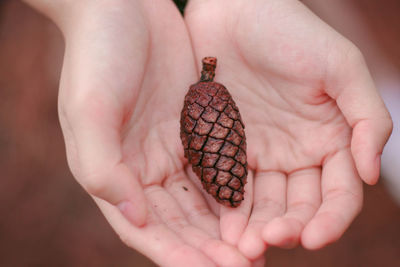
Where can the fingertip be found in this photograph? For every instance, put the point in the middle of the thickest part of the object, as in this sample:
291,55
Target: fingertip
135,214
281,232
317,235
274,231
368,140
131,199
373,178
369,169
310,238
251,245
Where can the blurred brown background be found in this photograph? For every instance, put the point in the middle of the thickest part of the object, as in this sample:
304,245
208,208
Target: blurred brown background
48,220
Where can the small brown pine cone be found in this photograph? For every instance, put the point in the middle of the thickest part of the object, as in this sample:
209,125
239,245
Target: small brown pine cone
212,134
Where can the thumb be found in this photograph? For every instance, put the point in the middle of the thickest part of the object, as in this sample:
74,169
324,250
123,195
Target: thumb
93,144
92,109
364,110
102,65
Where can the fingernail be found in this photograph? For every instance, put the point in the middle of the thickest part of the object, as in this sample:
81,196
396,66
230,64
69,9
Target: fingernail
128,210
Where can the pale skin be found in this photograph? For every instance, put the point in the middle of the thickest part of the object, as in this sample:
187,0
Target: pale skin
315,123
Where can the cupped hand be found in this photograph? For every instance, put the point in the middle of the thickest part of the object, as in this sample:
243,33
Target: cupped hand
315,123
127,67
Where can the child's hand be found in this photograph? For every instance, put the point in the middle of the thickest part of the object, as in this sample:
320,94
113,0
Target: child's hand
315,122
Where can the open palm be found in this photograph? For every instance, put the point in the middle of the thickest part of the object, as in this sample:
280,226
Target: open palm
314,121
125,75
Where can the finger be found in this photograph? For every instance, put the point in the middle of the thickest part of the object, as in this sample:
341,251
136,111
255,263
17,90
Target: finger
303,200
214,206
154,240
341,201
192,204
269,202
171,214
364,110
95,157
233,221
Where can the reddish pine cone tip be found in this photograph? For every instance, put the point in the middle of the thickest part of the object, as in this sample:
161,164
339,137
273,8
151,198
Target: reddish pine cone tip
212,134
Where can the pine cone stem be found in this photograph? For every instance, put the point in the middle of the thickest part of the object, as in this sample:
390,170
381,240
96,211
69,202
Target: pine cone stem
208,72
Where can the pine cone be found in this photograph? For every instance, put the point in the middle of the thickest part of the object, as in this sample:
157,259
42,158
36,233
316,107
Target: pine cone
212,134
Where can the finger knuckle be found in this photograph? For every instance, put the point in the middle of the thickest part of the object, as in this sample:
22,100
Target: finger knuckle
83,106
348,55
175,257
199,210
354,54
176,222
303,206
95,185
268,203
